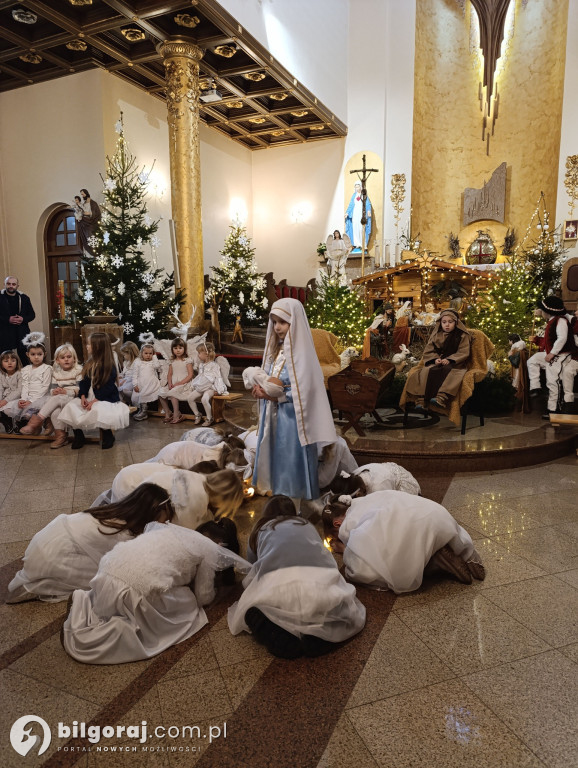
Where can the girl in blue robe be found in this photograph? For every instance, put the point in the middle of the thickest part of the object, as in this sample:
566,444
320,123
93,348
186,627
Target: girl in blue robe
291,426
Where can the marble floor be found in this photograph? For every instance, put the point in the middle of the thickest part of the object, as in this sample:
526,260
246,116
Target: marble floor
451,675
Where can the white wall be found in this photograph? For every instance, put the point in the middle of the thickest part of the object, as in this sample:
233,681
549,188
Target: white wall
225,166
308,37
381,50
50,146
286,178
54,138
569,136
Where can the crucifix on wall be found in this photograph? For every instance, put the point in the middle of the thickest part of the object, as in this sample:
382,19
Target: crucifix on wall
358,219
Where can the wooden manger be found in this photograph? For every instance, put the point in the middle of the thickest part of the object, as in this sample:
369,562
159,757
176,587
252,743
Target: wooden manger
357,389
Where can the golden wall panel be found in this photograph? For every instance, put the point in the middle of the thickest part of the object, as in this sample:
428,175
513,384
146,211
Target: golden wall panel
448,152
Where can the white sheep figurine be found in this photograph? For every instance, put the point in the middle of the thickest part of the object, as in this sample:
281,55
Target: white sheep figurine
347,356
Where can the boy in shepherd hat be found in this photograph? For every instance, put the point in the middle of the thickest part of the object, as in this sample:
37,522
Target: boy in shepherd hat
559,347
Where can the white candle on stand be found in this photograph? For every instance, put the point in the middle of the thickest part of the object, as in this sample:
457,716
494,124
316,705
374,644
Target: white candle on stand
397,253
387,256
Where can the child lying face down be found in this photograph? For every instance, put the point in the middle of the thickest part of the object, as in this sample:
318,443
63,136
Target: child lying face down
271,385
391,536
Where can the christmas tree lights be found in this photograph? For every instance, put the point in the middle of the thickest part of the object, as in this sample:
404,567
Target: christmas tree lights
119,280
338,309
237,287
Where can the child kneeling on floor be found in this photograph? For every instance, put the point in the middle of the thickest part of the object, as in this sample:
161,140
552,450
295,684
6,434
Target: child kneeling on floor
389,537
295,600
445,359
147,595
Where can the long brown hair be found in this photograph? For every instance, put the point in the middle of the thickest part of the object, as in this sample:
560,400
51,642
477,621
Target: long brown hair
100,364
145,504
278,508
225,492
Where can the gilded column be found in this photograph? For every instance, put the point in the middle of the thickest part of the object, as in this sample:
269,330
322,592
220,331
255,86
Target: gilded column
181,60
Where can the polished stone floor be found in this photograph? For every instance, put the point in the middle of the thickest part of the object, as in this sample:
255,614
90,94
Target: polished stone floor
452,675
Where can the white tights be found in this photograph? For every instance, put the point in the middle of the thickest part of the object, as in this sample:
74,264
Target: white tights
205,398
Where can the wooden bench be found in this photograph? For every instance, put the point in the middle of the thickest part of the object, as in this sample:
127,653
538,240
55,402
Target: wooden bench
218,403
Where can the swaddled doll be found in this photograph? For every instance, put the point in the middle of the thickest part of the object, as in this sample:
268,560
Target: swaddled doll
271,385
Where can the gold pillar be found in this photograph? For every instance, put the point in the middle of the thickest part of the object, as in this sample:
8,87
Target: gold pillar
181,60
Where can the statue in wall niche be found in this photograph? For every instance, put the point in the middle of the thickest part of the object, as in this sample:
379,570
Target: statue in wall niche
338,249
87,224
489,202
353,216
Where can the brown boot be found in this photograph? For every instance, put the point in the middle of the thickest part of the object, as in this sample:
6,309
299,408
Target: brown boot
61,438
447,560
34,426
48,428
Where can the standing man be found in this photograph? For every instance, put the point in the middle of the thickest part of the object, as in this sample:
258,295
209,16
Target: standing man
15,314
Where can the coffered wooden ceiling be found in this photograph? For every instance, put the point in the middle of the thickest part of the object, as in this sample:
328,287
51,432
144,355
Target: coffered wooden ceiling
263,104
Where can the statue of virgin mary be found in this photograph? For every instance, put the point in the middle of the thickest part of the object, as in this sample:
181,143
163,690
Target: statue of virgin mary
353,214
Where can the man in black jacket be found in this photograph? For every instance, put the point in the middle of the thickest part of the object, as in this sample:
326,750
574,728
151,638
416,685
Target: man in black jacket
15,314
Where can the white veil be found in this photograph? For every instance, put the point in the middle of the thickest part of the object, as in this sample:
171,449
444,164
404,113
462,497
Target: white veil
314,419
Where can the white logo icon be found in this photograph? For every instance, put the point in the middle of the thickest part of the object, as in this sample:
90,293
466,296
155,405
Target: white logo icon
21,738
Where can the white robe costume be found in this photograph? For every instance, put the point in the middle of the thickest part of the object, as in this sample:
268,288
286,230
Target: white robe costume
337,459
62,557
183,454
387,476
295,582
140,602
390,536
146,376
186,489
204,435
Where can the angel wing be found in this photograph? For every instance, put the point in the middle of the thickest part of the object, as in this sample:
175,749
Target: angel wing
329,242
163,348
348,243
192,345
225,367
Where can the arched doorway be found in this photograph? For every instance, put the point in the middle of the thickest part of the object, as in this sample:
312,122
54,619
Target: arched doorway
63,255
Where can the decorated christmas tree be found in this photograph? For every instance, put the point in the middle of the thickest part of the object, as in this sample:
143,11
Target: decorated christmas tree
542,250
236,285
507,305
119,280
338,309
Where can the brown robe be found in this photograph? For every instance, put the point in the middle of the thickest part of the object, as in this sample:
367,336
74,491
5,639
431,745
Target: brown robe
426,381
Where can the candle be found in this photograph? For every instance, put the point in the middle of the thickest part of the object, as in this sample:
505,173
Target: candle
62,305
397,253
388,256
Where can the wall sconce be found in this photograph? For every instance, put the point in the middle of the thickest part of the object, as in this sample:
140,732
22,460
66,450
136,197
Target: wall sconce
238,212
300,213
157,185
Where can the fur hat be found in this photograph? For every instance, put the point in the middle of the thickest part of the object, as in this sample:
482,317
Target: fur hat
552,305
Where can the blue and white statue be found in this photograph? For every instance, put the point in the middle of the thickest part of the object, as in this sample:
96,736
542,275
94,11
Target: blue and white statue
353,215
